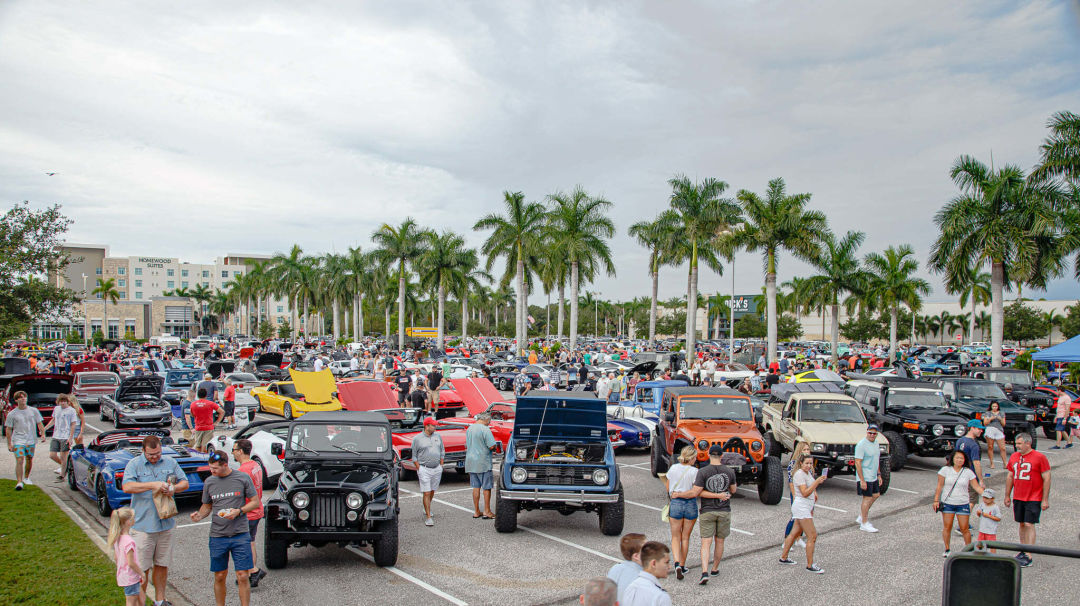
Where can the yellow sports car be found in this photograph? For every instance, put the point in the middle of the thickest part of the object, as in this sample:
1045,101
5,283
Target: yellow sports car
307,392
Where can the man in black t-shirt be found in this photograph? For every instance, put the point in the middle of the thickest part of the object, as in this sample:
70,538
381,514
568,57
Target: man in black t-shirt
404,385
434,381
714,486
418,397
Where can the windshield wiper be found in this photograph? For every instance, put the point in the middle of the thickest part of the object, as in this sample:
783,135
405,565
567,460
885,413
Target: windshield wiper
346,449
311,450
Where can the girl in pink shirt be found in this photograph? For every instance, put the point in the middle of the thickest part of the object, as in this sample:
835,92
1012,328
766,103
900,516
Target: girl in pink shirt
129,574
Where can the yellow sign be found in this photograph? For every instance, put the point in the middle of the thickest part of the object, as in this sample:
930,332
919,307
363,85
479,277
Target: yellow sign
421,331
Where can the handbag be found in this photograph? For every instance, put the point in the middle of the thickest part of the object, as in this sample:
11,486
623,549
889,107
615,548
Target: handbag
165,505
664,512
948,494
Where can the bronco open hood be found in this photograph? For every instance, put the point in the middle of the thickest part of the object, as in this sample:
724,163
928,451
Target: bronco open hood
272,358
317,387
142,385
566,415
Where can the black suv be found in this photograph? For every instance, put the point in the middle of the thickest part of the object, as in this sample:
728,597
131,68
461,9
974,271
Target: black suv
972,397
914,416
339,486
1020,388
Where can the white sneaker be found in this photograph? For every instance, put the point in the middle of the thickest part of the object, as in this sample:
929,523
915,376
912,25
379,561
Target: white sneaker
800,542
429,521
19,486
58,471
28,482
867,527
858,520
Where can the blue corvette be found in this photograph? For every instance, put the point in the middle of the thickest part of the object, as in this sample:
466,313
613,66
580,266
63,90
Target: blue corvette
636,432
98,469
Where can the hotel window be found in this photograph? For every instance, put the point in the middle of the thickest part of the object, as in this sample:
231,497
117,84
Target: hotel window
138,283
206,273
121,270
97,270
183,273
183,284
138,295
138,271
123,282
206,284
280,308
225,274
172,272
171,284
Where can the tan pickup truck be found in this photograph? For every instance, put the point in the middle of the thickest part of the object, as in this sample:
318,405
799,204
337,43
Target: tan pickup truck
828,420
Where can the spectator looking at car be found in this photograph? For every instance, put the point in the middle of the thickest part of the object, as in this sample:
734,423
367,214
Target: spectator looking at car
600,591
645,590
241,452
713,485
479,444
418,398
522,383
793,466
209,386
868,458
624,573
682,512
434,382
228,497
229,404
203,411
148,474
187,423
23,425
428,453
994,420
1027,490
65,420
970,445
989,515
129,574
1061,418
957,476
802,511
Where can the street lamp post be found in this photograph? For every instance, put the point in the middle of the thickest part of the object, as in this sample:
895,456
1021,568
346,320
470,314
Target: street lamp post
86,320
596,314
731,318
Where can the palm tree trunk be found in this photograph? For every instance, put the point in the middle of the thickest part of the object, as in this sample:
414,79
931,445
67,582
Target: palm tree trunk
464,317
893,319
519,328
337,321
652,309
997,311
770,304
562,294
401,306
441,339
574,304
547,322
971,322
387,310
294,304
834,333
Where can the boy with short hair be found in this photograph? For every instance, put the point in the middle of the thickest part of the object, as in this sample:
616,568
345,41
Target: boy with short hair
989,515
646,590
22,435
625,572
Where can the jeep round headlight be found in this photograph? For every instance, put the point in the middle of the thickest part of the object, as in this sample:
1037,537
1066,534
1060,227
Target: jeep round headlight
354,500
703,444
755,445
521,453
958,430
301,500
518,475
600,477
1029,417
939,429
817,448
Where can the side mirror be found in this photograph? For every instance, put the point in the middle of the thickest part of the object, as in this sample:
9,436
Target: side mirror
277,449
669,417
982,579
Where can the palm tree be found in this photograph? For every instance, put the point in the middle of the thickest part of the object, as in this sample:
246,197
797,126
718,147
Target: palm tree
982,322
842,274
286,273
970,283
656,236
698,215
999,218
439,267
467,278
357,265
1053,320
961,322
402,245
932,324
515,236
944,323
578,231
779,222
892,283
106,291
1060,152
202,296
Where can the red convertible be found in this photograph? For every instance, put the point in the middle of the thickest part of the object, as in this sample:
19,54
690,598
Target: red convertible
407,423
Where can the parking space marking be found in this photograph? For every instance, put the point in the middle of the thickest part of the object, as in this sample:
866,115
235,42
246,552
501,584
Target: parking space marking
92,427
410,578
637,466
193,524
816,505
733,529
891,487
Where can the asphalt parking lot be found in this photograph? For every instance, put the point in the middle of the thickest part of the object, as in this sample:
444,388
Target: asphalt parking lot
464,561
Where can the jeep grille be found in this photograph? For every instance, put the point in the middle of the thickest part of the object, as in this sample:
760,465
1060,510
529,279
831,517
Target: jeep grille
566,475
840,449
327,509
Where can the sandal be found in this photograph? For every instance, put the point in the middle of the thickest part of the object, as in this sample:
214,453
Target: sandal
477,517
488,517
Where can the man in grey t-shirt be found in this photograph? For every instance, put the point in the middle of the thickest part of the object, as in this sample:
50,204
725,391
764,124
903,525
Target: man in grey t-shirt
428,454
228,496
21,436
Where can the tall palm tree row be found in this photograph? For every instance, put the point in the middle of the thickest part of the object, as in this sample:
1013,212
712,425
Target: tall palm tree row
892,283
842,278
656,236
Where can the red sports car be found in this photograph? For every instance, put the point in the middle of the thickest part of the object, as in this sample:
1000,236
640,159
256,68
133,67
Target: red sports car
407,423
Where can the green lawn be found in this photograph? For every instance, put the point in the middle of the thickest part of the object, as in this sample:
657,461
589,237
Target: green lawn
47,559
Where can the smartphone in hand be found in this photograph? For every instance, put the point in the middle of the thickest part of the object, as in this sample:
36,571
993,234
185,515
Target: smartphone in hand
825,472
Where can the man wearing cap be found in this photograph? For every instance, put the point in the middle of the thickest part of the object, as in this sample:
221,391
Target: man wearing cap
969,444
428,454
714,485
867,459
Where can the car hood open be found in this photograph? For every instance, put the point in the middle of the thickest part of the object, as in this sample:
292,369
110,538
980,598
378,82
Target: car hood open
561,416
272,358
142,385
317,387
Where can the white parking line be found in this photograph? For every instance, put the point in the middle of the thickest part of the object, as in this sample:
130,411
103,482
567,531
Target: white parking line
746,532
193,524
854,481
94,428
816,505
410,578
637,466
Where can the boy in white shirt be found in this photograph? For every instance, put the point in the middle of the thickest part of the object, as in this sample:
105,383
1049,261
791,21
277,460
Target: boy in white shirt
989,515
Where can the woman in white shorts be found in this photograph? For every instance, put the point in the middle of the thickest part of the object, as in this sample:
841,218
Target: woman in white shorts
994,420
802,511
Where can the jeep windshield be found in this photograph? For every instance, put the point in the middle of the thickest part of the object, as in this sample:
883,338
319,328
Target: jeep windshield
336,438
972,390
1003,376
182,378
709,409
88,380
915,399
830,411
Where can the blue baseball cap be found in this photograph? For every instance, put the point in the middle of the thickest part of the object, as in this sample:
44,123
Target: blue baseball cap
873,427
976,423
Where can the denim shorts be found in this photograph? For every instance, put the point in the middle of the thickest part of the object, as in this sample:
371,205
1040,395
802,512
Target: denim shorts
683,509
964,510
132,589
238,545
483,481
253,527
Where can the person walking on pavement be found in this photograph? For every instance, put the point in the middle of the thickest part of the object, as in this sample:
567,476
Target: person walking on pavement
1027,490
682,512
714,486
953,502
994,419
522,383
867,461
203,411
969,443
479,444
802,511
435,380
645,590
1061,420
23,425
241,452
65,420
228,496
148,474
428,454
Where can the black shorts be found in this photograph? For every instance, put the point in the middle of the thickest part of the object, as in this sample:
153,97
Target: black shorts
872,488
253,527
230,408
1027,512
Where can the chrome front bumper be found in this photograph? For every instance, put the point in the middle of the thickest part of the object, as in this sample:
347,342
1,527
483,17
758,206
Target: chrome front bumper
558,496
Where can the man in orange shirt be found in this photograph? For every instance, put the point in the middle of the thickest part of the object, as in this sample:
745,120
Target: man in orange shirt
242,453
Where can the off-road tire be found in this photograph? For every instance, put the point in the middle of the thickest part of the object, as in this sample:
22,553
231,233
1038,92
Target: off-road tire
71,476
1049,431
885,473
897,450
657,464
276,552
506,513
385,548
103,506
771,481
612,516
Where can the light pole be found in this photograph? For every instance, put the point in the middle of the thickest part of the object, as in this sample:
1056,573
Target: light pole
731,318
86,320
596,314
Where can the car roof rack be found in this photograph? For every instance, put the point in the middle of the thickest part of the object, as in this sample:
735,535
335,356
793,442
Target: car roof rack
784,390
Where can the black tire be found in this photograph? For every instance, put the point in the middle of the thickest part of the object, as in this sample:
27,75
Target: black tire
286,411
884,473
259,405
1031,432
276,552
776,449
101,412
103,506
897,450
116,420
71,476
1049,431
385,549
771,481
612,516
506,513
657,464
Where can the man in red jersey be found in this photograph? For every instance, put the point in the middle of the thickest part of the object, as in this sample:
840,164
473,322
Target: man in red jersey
1027,489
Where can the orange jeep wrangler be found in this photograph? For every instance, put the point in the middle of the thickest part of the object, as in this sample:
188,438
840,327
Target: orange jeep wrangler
705,416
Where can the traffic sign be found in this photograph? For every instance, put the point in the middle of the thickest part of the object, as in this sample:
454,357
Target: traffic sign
421,331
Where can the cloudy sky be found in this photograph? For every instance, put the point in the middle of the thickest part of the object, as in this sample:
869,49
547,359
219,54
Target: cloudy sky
198,128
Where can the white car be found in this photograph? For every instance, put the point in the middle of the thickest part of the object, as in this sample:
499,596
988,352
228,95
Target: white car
263,436
635,413
731,372
339,367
